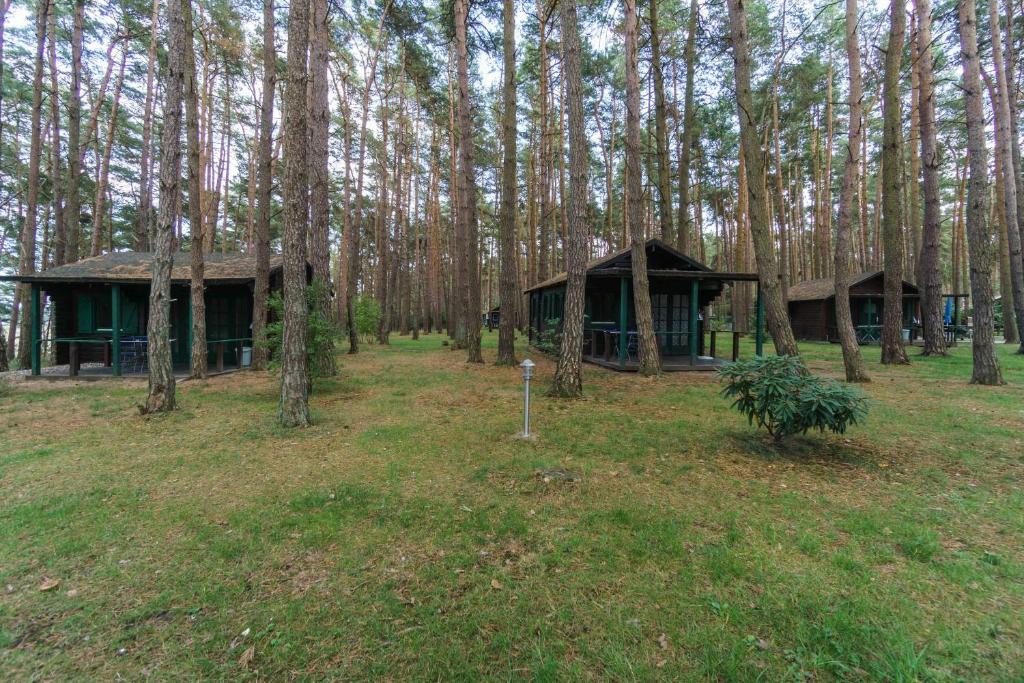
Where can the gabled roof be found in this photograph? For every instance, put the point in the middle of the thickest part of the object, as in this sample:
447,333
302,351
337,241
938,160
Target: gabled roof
137,266
623,259
824,288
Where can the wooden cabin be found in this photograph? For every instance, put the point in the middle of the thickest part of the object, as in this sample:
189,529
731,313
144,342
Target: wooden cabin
100,310
680,286
812,308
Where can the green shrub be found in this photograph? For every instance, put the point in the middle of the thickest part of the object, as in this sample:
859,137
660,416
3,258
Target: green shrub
779,394
550,340
321,331
366,312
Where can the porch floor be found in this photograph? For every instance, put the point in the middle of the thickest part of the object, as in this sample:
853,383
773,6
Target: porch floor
96,371
668,363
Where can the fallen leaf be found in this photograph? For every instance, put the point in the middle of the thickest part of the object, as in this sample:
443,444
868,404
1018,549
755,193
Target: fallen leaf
72,593
661,663
247,657
763,644
49,584
495,584
663,641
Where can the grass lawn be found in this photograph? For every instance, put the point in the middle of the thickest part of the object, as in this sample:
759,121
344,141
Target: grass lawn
407,536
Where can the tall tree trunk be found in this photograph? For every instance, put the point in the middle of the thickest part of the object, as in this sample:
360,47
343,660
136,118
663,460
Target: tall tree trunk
661,128
893,350
294,408
27,250
262,237
59,231
319,189
197,299
73,208
1003,140
142,221
650,358
507,291
685,225
161,373
103,170
760,224
852,361
986,367
568,381
929,277
467,188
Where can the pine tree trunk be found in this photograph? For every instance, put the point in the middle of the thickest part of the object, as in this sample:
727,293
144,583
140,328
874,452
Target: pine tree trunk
929,278
319,189
294,407
27,246
661,128
59,229
261,286
650,358
467,189
852,361
893,350
986,367
507,290
1003,140
197,299
568,381
72,209
760,225
161,372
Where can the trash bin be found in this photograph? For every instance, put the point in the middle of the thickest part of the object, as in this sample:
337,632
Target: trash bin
906,335
246,356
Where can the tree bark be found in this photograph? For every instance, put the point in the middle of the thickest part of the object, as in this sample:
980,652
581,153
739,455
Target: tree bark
59,230
161,373
197,298
103,171
1003,140
294,407
261,286
929,269
467,188
27,246
319,189
507,290
685,225
985,368
650,358
661,128
568,381
852,361
754,155
893,350
73,207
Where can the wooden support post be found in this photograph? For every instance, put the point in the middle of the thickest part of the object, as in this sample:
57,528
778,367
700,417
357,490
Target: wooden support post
956,317
220,356
115,327
713,336
36,330
74,362
735,345
694,295
623,320
759,334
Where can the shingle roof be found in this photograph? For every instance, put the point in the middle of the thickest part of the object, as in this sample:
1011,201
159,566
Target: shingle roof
597,263
137,266
823,288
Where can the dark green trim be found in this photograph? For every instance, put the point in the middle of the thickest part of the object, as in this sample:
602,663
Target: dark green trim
759,333
694,296
623,320
115,327
36,333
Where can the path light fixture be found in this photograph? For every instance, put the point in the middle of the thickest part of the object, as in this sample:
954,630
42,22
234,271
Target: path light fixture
527,366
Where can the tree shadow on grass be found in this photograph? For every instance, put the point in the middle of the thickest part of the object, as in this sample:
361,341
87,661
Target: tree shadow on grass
829,450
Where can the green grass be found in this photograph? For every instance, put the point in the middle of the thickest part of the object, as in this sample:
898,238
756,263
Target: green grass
406,536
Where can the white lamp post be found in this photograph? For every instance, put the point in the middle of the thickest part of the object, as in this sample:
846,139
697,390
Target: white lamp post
527,366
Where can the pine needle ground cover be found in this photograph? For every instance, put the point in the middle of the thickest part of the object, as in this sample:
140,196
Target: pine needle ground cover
407,536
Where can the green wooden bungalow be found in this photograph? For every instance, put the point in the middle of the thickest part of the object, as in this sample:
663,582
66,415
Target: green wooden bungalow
680,286
99,310
812,307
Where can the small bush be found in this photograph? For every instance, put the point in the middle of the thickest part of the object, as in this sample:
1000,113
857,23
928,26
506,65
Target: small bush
366,311
320,332
550,340
779,394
